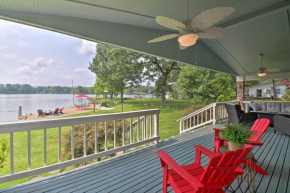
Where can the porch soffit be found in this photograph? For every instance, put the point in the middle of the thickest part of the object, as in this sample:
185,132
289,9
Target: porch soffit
255,27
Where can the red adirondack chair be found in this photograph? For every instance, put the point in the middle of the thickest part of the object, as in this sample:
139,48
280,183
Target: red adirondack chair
221,171
259,128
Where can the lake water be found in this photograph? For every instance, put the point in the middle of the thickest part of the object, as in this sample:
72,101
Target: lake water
9,104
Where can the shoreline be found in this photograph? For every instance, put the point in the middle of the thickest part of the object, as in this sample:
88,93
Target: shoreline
66,112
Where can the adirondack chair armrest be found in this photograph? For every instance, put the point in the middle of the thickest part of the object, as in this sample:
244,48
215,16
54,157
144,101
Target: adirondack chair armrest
168,161
217,131
257,143
200,149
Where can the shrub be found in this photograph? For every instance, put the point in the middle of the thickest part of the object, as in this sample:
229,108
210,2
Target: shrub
192,109
107,104
238,134
4,150
90,134
286,96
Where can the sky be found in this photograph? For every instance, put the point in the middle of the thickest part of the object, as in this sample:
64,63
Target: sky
38,57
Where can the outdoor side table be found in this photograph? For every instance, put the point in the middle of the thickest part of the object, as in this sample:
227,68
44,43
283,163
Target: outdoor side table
249,175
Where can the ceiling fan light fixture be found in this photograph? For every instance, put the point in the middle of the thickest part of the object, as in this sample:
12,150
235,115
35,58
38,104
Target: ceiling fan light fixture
188,39
261,74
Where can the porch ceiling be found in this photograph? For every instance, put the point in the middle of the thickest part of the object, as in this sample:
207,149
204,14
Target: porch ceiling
255,27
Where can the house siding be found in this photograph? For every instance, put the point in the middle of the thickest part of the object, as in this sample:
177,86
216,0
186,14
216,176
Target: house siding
252,91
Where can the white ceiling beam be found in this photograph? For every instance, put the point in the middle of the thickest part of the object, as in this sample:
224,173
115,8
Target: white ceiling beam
276,8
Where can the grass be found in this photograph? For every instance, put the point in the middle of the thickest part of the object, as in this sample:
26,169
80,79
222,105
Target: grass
168,126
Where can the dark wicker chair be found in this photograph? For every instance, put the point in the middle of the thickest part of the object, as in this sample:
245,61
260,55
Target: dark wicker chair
282,124
238,116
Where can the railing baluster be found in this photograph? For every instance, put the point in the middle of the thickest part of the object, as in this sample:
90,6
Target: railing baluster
206,115
124,136
72,142
194,120
131,132
151,125
115,134
11,154
106,128
96,137
44,147
156,126
145,129
85,140
138,129
29,149
59,144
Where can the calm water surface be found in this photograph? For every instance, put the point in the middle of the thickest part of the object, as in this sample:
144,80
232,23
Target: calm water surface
9,104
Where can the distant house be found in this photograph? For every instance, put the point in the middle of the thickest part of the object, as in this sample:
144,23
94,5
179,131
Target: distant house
265,90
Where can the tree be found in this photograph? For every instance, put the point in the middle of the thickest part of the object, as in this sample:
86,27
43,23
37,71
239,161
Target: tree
117,67
206,84
163,72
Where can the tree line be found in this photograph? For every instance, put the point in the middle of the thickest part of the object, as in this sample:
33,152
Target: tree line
28,89
118,70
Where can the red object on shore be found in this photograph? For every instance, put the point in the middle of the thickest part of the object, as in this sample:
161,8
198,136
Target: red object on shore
82,96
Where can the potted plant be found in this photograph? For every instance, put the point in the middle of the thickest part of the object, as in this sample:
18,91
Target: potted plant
236,135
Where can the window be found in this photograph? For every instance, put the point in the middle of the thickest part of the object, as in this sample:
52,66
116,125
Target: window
278,91
268,91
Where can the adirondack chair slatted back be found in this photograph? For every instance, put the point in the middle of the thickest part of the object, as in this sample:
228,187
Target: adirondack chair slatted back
259,128
219,169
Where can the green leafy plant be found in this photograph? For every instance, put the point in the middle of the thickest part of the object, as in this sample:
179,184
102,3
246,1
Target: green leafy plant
238,134
4,149
286,96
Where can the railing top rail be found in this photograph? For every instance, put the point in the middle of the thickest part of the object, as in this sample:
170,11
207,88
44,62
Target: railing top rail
52,123
196,112
203,109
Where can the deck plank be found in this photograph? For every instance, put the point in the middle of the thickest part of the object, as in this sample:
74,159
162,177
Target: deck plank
140,170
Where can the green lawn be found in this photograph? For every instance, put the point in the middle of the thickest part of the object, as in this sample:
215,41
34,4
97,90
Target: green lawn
168,126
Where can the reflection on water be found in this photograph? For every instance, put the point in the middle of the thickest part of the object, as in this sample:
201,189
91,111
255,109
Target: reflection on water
9,104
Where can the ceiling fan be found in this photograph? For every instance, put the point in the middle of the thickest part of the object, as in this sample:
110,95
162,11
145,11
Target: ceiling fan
199,27
263,71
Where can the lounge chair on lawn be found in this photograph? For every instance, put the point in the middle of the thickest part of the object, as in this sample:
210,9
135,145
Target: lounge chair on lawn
40,113
55,112
60,110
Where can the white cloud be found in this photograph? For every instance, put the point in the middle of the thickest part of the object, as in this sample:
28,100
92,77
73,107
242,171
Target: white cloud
23,44
82,70
23,70
86,47
41,62
8,56
37,66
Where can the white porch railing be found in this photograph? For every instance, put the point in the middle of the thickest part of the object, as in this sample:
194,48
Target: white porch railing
209,114
143,130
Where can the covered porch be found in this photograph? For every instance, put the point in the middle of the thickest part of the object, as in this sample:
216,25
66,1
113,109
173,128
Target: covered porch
140,170
257,27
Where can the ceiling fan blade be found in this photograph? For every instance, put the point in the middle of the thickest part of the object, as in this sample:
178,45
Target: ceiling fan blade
170,23
182,47
210,17
213,33
163,38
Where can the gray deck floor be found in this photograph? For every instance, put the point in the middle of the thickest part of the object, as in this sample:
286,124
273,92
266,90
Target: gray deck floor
140,171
